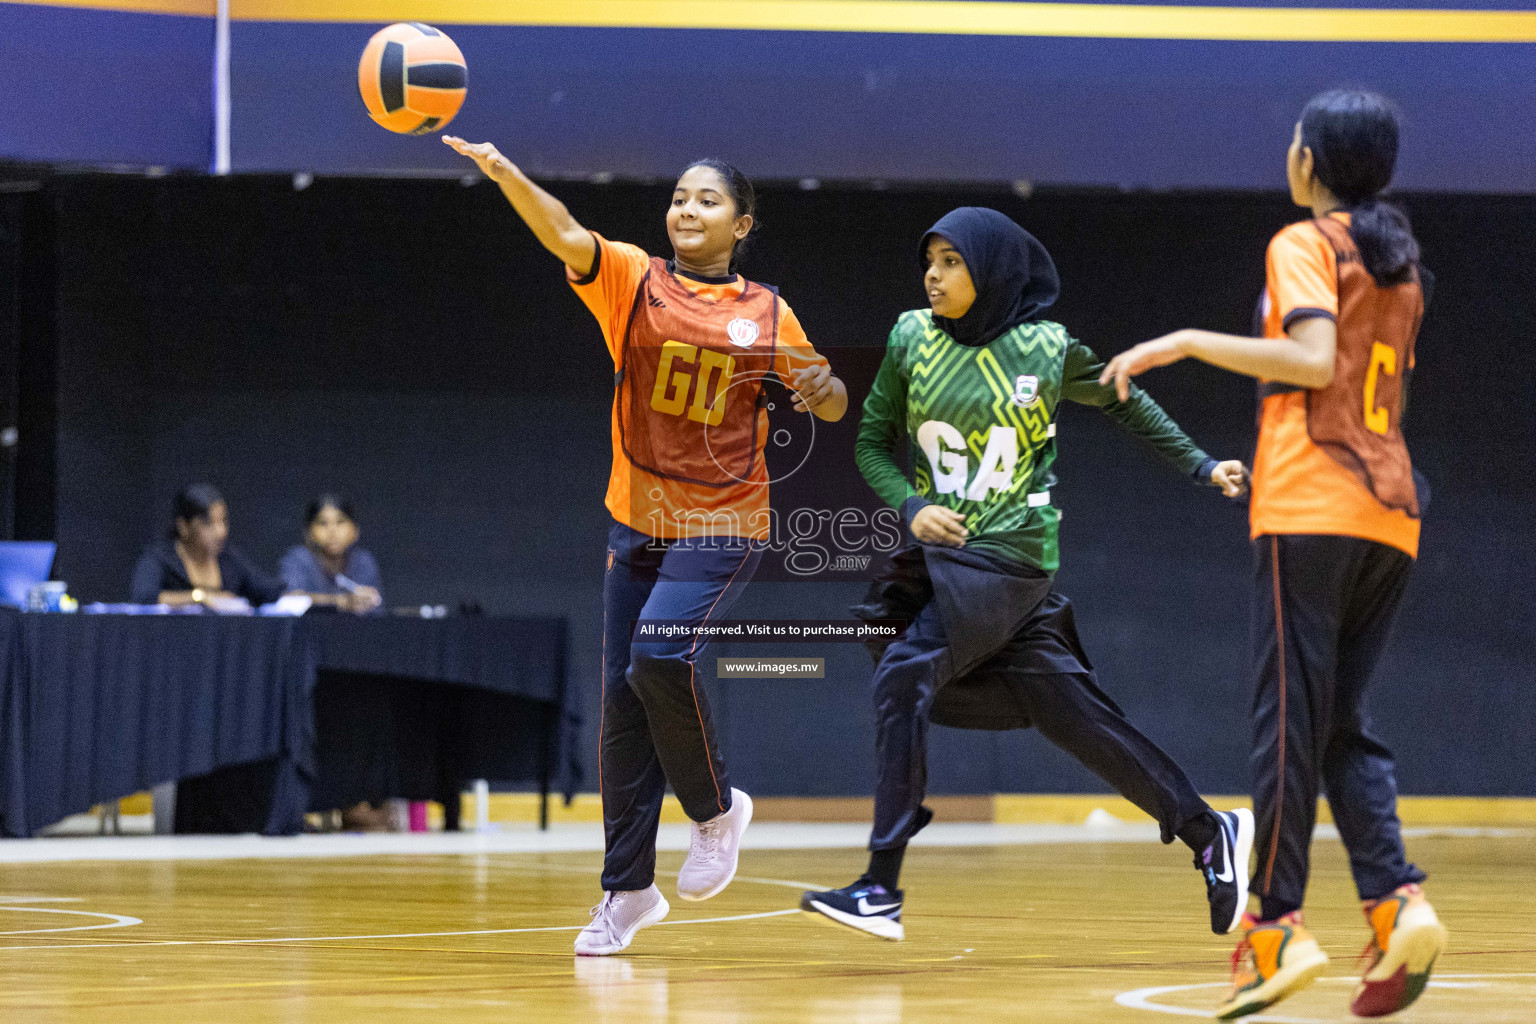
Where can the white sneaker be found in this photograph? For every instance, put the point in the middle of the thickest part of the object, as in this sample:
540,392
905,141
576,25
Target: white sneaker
616,919
713,850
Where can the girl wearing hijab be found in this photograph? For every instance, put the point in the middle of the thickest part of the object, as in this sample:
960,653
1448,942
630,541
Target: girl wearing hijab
1335,525
974,382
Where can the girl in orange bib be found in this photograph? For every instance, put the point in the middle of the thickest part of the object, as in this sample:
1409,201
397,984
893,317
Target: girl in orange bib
692,344
1335,521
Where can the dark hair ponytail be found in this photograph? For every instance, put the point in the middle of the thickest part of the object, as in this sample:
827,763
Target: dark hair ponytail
1353,138
742,194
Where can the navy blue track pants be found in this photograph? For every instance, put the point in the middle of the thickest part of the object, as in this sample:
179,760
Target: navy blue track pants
656,726
1322,611
1067,707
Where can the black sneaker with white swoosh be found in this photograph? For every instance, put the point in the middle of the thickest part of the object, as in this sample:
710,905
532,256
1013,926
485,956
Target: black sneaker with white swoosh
863,905
1224,866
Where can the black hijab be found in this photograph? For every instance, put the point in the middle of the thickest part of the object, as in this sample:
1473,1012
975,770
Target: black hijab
1014,277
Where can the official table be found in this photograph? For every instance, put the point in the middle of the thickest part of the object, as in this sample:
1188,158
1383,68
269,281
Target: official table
94,707
415,707
264,718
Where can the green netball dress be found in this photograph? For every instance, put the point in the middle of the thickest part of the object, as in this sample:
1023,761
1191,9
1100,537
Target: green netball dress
980,427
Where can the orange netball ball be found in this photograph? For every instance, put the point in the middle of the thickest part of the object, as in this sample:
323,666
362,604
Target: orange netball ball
412,78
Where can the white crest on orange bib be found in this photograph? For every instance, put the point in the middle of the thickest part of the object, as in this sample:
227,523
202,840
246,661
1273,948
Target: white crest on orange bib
742,332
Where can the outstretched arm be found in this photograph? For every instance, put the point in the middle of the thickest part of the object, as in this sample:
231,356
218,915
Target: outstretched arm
1304,357
1084,381
551,223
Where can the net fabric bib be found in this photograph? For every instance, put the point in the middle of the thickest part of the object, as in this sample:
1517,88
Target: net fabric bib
1357,418
690,379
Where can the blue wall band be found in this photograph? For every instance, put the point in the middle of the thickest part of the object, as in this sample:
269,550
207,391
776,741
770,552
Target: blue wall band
576,89
105,87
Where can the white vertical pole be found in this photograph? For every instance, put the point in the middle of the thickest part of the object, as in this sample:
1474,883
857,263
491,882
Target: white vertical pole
482,805
165,808
221,89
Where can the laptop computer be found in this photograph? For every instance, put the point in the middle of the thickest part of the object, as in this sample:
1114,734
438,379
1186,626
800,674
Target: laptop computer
23,564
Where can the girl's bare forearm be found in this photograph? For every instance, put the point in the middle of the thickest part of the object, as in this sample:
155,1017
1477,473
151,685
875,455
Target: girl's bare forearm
1307,364
549,220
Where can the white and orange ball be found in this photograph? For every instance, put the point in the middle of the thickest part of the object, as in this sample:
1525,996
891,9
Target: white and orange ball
412,78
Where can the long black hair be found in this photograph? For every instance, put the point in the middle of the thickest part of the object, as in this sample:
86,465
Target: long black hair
194,501
742,194
1353,138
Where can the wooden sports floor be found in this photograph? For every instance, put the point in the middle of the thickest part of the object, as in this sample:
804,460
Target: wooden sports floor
1111,932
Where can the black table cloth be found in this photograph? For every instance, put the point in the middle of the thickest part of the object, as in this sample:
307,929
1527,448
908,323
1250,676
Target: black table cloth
93,707
413,708
524,657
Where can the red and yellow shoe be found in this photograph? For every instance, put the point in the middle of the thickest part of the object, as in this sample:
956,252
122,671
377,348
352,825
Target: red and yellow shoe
1275,959
1406,940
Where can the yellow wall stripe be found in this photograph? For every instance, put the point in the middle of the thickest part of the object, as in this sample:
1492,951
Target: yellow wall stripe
964,17
205,8
934,17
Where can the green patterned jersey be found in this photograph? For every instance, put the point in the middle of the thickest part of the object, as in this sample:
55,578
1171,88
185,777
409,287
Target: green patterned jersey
978,424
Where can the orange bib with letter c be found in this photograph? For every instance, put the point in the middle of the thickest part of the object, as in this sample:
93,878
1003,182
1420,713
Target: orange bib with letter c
1356,419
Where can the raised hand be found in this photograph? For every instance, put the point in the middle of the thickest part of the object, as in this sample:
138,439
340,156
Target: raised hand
485,155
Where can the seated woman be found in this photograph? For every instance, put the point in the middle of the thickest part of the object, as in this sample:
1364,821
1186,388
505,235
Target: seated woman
329,566
194,563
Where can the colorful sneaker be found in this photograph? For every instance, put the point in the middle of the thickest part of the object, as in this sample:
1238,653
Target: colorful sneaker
713,851
616,919
863,905
1406,940
1224,865
1274,960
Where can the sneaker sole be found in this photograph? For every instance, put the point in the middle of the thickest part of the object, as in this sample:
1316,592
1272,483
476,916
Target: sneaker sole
879,927
1289,980
1242,850
650,917
735,856
1403,973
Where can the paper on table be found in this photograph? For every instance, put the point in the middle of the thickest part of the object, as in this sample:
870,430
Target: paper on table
288,604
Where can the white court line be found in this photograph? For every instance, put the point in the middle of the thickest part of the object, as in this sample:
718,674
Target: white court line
786,883
588,838
123,921
398,935
1138,999
117,920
